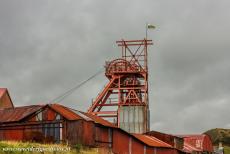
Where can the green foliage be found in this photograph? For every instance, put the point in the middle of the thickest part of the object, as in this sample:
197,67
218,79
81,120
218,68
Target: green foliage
78,147
219,135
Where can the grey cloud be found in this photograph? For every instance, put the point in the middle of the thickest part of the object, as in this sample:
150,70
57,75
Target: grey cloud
46,47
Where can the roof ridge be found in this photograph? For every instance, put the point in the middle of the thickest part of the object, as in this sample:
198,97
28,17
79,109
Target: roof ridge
28,106
158,140
152,139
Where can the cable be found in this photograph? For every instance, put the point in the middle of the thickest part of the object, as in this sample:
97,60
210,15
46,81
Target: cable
70,91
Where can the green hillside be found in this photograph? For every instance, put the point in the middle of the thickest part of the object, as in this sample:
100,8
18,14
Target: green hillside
219,135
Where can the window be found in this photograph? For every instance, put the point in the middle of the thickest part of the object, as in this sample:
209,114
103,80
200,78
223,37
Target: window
58,117
39,116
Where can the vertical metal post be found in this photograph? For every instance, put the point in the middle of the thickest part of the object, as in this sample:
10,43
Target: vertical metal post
119,101
146,30
130,145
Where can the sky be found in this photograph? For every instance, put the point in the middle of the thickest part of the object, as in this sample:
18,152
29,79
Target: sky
47,47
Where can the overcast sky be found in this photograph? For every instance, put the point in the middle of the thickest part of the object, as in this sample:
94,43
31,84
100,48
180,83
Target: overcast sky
48,46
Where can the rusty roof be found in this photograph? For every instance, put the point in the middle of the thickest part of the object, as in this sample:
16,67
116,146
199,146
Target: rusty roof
65,112
72,114
189,148
18,113
194,136
197,142
151,141
99,120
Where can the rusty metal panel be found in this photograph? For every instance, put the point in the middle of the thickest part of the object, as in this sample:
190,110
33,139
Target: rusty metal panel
132,119
38,132
200,142
149,150
99,120
65,112
120,142
175,141
1,134
137,147
80,132
139,144
16,135
103,136
88,133
165,151
35,135
16,114
50,114
207,144
151,141
74,132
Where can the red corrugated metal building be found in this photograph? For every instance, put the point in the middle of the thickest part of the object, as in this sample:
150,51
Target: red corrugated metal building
45,123
200,143
174,141
57,123
186,143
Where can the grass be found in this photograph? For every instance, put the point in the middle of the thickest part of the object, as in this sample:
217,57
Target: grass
12,147
226,150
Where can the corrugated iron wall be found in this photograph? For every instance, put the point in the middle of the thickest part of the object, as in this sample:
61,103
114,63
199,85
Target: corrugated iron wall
120,142
88,133
207,144
80,132
170,139
103,136
13,134
202,142
38,132
132,118
125,144
136,147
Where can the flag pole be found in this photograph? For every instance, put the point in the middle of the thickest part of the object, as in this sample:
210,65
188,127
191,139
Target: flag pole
147,26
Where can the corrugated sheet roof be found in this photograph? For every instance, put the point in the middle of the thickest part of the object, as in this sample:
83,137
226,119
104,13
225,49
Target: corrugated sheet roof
195,136
65,112
99,120
82,114
17,113
197,142
156,132
72,114
151,141
189,148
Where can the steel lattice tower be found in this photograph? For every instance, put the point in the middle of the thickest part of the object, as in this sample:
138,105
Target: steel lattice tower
125,97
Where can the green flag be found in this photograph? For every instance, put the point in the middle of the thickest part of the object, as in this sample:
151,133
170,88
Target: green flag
149,26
